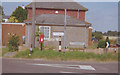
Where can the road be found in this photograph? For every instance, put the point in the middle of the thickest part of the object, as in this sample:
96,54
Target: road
13,65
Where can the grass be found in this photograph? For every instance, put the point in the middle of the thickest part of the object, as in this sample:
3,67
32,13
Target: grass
4,50
74,55
93,46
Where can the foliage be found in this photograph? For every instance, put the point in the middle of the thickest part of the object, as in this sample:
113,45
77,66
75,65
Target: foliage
113,41
98,35
4,51
111,33
74,55
3,20
37,34
93,46
20,14
12,20
101,44
13,43
1,11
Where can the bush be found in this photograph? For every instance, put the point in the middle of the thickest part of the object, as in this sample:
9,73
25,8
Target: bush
101,44
13,43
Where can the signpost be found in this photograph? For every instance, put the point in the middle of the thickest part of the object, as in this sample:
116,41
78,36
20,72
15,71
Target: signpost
106,46
41,39
58,33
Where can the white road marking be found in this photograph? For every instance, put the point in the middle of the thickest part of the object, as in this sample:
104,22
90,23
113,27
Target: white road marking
65,72
85,67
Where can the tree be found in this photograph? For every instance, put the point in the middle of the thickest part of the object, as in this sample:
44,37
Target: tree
99,36
12,20
13,43
1,11
20,14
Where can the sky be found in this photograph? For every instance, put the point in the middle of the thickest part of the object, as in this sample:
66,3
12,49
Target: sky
102,15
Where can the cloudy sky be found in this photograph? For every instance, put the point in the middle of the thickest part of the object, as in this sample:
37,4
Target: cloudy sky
102,15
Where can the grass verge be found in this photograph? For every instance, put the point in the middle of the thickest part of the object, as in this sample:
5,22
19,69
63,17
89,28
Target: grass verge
4,50
74,55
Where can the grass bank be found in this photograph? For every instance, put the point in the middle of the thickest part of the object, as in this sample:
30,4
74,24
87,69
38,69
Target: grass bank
4,50
73,55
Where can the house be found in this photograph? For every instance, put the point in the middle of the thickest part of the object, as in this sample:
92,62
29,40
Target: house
50,20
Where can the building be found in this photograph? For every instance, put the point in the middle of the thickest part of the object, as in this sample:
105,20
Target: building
50,21
12,28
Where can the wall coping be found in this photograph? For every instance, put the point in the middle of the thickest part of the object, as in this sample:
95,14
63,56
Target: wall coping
15,23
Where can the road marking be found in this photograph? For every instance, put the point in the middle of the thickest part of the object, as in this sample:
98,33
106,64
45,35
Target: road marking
85,67
65,72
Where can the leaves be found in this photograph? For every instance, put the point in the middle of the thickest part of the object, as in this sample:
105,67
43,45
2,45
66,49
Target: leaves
20,14
12,20
13,43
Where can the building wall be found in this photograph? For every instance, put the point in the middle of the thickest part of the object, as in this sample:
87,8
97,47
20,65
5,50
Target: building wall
73,34
13,28
72,13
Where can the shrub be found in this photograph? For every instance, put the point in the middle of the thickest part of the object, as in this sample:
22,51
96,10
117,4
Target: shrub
13,43
101,44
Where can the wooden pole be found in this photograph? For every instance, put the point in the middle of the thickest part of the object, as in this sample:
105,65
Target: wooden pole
64,32
33,23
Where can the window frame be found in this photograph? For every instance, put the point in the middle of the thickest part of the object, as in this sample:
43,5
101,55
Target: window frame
44,31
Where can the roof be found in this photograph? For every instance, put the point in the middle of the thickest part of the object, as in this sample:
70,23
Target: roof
53,19
58,5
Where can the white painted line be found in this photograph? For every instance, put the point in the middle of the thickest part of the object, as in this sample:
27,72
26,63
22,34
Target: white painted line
65,72
85,67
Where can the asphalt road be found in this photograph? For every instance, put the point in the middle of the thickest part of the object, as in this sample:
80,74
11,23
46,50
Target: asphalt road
11,65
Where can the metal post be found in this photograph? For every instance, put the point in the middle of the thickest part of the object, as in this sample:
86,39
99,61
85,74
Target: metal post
41,46
33,23
64,32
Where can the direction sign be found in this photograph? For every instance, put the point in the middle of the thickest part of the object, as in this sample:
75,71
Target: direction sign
58,34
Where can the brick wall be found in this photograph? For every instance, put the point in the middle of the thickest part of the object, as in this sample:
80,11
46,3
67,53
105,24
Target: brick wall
13,29
73,13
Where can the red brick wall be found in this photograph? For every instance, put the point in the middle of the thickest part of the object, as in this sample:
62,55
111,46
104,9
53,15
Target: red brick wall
52,11
13,29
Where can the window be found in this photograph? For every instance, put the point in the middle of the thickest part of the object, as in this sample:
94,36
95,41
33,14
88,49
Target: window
46,31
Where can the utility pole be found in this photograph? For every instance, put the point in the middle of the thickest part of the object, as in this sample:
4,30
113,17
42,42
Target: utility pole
33,24
64,32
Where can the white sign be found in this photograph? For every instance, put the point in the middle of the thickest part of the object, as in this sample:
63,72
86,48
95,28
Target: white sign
77,43
58,34
59,47
107,45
